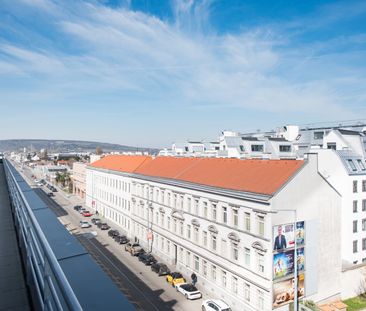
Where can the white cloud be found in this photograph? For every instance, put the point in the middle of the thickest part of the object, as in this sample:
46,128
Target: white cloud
125,51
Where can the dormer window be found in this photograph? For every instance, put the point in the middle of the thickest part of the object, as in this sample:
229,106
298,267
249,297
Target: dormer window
352,165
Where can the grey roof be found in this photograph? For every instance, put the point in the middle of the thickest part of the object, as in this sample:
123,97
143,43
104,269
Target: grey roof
348,155
250,138
278,139
349,132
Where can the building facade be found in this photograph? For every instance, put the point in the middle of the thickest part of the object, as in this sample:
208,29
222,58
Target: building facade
219,219
79,179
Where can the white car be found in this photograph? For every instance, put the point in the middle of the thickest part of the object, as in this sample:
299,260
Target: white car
215,305
189,291
85,224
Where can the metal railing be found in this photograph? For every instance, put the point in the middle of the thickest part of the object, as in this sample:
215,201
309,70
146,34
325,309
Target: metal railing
48,284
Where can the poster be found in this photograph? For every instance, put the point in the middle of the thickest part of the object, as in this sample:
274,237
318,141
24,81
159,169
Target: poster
283,237
283,291
300,233
283,264
300,259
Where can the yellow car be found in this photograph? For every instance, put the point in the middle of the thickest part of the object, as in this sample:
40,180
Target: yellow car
175,278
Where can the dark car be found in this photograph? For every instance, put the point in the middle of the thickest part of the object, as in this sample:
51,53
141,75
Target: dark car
49,186
112,233
50,194
147,259
77,207
160,268
95,221
122,239
104,226
53,189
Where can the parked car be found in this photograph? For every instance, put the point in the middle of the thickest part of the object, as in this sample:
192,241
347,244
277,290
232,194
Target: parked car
95,221
133,248
175,278
215,305
53,189
85,224
87,214
49,186
50,194
112,233
189,291
122,239
160,268
77,207
104,226
147,259
82,210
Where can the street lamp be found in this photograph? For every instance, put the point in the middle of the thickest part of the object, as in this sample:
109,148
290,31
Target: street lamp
295,254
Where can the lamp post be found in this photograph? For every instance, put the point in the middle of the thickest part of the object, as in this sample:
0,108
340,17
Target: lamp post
295,253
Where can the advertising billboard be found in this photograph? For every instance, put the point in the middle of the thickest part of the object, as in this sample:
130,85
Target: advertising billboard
284,293
283,264
284,237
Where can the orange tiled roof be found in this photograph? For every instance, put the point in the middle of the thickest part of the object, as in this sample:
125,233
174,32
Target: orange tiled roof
121,163
257,176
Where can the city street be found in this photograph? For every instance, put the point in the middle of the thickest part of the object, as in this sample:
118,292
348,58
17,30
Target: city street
143,287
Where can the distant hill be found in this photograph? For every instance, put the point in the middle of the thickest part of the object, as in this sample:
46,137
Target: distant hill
66,146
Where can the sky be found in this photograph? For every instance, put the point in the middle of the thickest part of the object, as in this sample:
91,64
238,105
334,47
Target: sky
148,73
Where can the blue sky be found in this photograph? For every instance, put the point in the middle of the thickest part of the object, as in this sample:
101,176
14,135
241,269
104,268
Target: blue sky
150,72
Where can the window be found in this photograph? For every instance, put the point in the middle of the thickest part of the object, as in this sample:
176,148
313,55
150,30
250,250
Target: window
188,258
354,246
332,146
285,148
261,225
354,186
205,209
355,226
188,231
318,135
196,205
223,278
168,224
168,246
247,256
181,228
363,205
235,252
261,263
246,291
174,225
247,222
204,267
363,224
361,165
213,242
352,165
355,206
204,233
213,272
189,204
257,148
195,234
364,186
235,284
196,263
363,244
214,211
224,214
241,148
235,217
260,300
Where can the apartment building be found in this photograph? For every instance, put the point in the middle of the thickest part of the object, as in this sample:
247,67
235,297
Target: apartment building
221,218
79,178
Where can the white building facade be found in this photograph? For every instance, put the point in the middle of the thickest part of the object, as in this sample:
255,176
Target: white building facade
227,236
